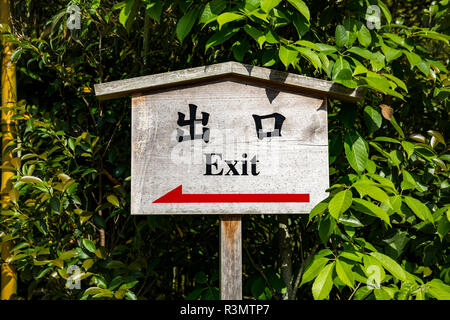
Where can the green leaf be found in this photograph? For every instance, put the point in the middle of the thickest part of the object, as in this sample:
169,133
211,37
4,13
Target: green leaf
396,157
443,226
240,48
258,288
378,83
301,7
388,263
339,65
253,32
154,11
341,36
386,139
308,44
258,13
397,243
58,263
113,200
269,57
31,179
398,40
372,118
425,152
89,245
87,264
301,24
20,246
16,55
68,254
326,48
335,147
413,58
323,283
288,55
98,292
408,181
385,182
43,272
360,69
391,53
433,35
364,36
313,269
372,191
376,59
345,273
382,85
350,221
267,5
128,285
438,289
252,4
340,203
125,12
384,293
211,10
419,209
437,135
220,37
326,227
99,221
345,77
362,292
356,151
361,52
397,127
397,81
370,208
311,56
319,209
351,26
385,10
185,24
228,17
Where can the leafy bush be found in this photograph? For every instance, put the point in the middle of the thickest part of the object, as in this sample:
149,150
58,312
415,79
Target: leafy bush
381,234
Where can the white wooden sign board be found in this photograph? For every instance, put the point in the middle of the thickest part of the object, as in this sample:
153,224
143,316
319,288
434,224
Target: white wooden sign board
228,139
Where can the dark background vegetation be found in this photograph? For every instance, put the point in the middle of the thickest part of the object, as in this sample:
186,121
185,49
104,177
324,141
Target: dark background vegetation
71,204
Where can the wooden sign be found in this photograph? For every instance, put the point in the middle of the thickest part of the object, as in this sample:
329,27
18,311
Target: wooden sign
228,139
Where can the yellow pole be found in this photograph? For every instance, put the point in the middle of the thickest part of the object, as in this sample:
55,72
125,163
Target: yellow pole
9,99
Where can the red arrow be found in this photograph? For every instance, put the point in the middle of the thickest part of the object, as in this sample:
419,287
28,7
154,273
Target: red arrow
177,196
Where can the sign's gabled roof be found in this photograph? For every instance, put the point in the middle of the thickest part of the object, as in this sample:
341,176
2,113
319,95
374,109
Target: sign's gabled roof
228,70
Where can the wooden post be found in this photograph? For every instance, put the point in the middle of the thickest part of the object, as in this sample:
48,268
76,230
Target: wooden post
8,101
230,257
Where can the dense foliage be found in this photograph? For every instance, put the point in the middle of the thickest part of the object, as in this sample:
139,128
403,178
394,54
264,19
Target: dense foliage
383,233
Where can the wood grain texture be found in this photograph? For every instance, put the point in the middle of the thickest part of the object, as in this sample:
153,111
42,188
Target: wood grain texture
295,162
230,71
230,257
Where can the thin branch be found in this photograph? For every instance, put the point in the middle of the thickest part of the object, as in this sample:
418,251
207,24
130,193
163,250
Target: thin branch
354,291
300,271
260,270
285,245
